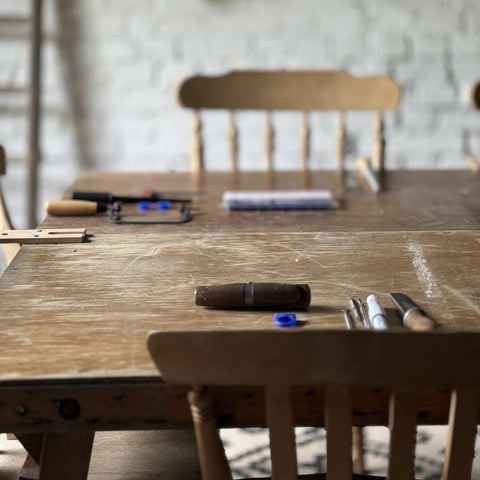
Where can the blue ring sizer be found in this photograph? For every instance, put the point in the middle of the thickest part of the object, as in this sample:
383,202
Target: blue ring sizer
285,319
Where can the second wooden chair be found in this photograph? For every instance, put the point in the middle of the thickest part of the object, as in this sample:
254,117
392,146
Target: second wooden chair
304,91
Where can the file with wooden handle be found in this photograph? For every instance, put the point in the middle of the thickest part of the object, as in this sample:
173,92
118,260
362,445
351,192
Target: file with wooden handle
74,208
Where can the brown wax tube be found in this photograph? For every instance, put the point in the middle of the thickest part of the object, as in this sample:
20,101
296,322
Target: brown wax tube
254,295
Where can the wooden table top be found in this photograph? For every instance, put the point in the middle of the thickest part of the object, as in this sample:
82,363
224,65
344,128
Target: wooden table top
411,200
84,310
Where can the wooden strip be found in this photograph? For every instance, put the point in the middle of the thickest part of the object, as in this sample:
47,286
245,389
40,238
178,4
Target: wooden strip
461,434
281,430
34,112
39,235
402,422
338,421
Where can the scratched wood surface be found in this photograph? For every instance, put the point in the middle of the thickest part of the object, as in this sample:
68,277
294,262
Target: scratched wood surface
411,200
84,310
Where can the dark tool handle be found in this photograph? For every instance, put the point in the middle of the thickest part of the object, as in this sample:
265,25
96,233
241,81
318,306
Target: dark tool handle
254,295
102,197
418,320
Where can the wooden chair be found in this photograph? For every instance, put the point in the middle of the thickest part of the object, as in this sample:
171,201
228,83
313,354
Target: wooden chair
339,362
10,249
304,91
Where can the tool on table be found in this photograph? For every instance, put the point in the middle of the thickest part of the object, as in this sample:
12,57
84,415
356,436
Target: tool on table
356,310
368,174
254,295
108,198
376,313
364,314
348,318
413,316
62,208
285,319
279,200
44,235
116,216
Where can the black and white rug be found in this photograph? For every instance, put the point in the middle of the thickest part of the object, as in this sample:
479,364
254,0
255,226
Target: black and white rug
248,451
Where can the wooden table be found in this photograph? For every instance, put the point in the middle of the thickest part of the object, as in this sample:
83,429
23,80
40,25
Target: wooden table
75,317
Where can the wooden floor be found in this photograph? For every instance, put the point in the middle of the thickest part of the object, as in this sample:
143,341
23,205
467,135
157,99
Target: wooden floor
169,455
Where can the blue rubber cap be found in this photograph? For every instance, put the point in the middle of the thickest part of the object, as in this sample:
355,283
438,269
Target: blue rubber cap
145,205
285,319
164,205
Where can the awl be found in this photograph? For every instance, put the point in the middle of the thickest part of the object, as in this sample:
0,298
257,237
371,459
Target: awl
63,208
413,316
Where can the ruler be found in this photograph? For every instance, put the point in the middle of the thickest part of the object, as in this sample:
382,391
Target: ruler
44,235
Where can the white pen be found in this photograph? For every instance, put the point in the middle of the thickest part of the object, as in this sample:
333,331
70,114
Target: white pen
376,313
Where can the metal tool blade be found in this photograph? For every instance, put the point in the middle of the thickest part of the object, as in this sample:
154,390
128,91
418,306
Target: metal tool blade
404,302
413,316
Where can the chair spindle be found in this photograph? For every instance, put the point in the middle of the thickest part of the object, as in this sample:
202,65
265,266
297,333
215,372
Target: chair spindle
462,430
269,139
338,422
402,424
233,140
282,432
305,141
378,152
341,143
196,153
212,456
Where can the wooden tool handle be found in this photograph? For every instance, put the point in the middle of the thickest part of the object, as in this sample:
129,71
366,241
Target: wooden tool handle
417,320
62,208
253,295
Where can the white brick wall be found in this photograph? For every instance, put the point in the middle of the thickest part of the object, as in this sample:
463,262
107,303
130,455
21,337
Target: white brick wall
111,68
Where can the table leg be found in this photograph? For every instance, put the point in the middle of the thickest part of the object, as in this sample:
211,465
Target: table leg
66,455
60,455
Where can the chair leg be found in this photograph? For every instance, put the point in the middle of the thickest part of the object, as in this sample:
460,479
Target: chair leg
358,453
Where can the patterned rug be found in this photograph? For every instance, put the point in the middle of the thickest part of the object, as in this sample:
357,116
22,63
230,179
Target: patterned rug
248,451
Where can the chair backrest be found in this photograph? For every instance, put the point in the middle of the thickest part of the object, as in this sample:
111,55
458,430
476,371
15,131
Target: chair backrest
10,249
337,361
304,91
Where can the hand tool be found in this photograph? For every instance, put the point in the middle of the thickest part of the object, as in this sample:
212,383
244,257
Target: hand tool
413,316
348,318
116,217
376,314
356,310
63,208
254,295
108,198
360,312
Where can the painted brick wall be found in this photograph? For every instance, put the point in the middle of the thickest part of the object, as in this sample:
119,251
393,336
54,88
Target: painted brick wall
111,68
